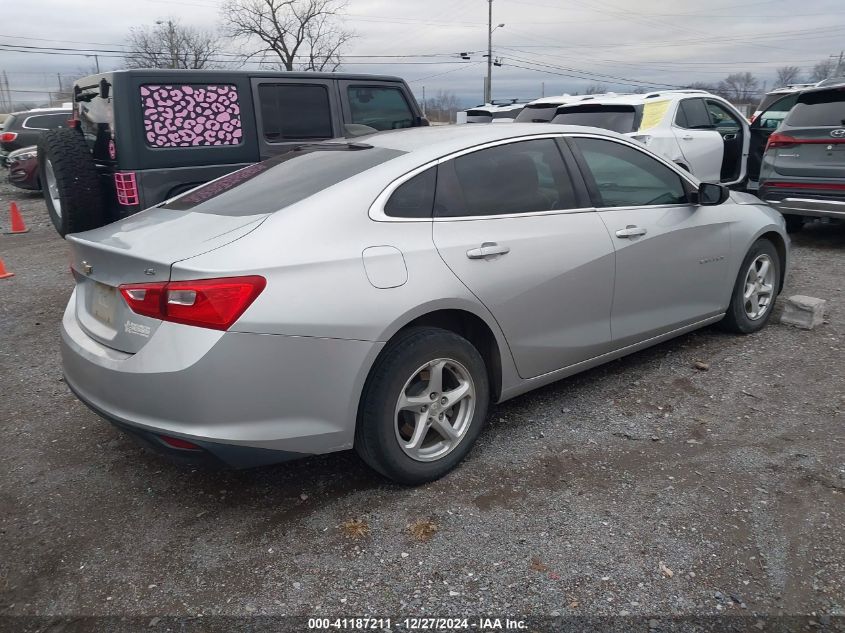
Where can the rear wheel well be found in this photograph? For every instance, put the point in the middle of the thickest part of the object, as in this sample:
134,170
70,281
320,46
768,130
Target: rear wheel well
476,331
780,247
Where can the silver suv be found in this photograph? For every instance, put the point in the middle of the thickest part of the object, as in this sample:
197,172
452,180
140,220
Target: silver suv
803,169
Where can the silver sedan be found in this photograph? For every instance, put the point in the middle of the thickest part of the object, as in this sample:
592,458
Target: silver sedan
380,294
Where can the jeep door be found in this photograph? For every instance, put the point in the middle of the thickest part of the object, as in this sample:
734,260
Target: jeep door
290,112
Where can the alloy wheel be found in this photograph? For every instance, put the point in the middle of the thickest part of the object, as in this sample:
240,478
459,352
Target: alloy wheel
53,188
434,409
759,287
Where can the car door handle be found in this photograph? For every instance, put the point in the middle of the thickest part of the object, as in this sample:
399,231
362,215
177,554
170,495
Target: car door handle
631,231
729,137
487,249
688,138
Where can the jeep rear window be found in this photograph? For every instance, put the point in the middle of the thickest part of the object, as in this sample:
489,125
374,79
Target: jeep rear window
618,118
191,115
282,180
819,109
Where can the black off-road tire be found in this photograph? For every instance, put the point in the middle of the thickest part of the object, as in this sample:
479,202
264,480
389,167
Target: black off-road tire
375,435
79,192
736,320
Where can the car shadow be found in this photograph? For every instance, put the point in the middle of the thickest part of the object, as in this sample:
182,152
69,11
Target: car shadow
822,235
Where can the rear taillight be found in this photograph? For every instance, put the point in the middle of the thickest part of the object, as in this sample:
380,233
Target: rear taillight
126,187
8,137
784,140
209,303
781,140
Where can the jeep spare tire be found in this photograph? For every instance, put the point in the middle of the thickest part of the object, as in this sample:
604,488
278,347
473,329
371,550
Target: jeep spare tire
70,181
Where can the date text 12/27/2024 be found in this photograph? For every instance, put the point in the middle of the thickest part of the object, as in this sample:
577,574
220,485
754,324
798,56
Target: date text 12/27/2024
482,624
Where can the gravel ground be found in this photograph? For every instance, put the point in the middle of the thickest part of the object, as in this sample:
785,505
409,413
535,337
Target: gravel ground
643,487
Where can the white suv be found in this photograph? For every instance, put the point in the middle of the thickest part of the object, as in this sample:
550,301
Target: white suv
703,133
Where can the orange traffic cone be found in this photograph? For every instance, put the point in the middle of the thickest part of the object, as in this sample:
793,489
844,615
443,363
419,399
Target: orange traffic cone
18,225
3,272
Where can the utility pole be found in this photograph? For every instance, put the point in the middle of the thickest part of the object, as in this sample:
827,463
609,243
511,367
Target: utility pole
488,87
423,103
839,64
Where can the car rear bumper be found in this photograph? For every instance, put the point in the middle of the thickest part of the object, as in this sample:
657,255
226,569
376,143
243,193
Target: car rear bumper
801,204
245,399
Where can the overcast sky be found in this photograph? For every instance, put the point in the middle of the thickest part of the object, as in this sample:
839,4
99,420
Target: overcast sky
619,43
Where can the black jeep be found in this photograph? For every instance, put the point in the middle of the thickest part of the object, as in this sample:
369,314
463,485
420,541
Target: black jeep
139,137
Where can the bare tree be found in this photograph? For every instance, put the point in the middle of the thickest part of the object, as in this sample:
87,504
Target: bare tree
823,70
787,75
596,89
303,34
740,87
171,45
442,107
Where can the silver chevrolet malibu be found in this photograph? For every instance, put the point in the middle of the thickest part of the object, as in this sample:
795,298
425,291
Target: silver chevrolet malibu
379,294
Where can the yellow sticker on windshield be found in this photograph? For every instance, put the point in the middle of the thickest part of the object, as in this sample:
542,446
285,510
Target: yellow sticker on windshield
653,113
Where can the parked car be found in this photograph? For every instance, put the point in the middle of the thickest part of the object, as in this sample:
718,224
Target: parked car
23,129
494,112
803,171
143,136
762,126
336,296
778,93
699,131
543,110
23,168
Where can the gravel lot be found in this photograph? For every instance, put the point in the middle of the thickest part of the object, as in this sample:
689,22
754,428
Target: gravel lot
645,487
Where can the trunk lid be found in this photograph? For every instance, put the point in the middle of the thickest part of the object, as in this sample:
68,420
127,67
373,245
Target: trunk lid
817,125
139,249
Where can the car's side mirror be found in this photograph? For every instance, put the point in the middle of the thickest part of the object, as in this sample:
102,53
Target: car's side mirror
710,194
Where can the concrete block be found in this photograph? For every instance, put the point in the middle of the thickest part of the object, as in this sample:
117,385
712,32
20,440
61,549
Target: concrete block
804,312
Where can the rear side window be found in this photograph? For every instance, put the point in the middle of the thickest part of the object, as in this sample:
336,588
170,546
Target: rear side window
692,114
520,177
619,118
189,115
282,180
47,121
381,108
295,112
413,198
819,109
626,177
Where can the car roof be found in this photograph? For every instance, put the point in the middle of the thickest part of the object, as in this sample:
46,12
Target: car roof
175,73
428,143
818,88
41,111
639,99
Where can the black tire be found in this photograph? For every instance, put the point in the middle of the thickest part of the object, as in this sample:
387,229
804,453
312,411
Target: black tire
79,193
736,319
375,433
794,223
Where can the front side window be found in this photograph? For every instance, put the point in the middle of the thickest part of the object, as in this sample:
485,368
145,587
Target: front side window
721,118
413,198
520,177
380,108
295,112
627,177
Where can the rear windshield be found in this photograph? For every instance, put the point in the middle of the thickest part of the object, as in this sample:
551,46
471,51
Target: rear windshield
823,109
539,113
479,116
282,180
507,114
619,118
